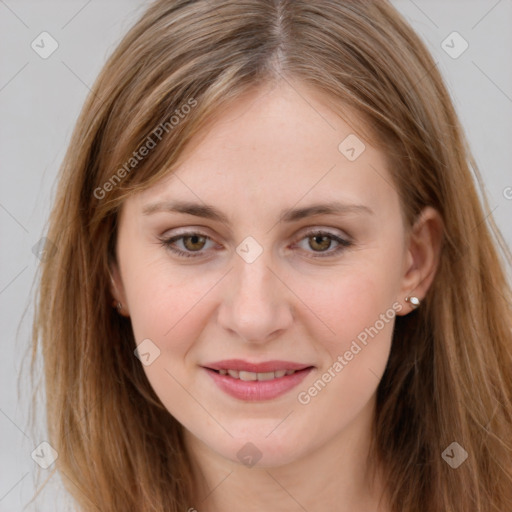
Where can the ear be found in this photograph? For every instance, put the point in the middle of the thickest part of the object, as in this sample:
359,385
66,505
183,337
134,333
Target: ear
423,250
117,289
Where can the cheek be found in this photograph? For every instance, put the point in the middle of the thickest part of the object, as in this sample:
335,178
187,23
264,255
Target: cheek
357,307
162,305
171,311
350,300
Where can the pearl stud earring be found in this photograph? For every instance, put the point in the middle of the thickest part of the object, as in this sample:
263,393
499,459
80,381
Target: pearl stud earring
413,301
117,305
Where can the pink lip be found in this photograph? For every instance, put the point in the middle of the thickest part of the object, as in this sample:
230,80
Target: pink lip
266,366
258,390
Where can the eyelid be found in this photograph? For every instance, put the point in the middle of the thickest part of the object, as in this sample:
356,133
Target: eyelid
343,240
331,231
200,230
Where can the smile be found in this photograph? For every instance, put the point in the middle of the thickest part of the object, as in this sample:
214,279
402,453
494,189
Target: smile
251,376
256,381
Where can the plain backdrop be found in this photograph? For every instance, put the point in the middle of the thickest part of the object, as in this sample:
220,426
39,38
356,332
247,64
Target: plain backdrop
39,103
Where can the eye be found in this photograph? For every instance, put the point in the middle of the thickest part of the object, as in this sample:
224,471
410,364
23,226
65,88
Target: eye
194,242
320,241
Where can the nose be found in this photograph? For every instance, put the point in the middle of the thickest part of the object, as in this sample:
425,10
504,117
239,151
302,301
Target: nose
256,305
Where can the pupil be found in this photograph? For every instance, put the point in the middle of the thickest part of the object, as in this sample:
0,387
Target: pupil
318,240
193,239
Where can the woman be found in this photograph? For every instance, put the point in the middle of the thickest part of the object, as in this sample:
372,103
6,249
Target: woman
274,286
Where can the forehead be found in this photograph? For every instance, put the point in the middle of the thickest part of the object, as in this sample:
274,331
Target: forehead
278,145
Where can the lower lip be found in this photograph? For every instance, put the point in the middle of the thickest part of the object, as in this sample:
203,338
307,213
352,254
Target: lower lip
255,390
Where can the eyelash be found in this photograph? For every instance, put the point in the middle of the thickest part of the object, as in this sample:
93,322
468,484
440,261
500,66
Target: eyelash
343,243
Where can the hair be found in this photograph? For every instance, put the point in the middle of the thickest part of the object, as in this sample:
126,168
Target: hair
449,374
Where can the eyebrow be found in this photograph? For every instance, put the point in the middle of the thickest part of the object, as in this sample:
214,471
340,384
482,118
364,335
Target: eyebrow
287,215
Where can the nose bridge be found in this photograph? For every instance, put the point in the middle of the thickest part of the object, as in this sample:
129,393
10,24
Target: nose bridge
254,304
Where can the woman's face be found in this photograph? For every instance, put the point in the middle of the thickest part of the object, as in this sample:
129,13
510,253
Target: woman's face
280,282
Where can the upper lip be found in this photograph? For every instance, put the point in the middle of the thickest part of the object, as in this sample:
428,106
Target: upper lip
265,366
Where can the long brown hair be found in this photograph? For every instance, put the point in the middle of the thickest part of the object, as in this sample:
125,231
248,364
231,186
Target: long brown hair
449,375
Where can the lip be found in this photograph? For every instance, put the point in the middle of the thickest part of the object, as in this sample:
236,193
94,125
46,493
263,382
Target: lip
266,366
254,391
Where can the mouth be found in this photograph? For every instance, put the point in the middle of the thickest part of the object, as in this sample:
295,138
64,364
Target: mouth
257,381
252,376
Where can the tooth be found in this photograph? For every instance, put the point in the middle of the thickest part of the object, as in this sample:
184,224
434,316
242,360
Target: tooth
248,375
266,376
252,376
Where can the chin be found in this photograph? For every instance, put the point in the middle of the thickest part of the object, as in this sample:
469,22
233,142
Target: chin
256,450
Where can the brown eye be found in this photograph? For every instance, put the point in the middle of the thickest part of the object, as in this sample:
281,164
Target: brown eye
320,242
196,242
192,244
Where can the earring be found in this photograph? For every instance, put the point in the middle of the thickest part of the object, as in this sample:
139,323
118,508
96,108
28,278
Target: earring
413,301
117,305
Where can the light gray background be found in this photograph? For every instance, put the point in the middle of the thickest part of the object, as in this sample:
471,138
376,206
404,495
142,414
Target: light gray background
39,103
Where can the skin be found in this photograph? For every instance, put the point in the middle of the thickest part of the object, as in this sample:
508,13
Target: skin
276,148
